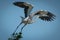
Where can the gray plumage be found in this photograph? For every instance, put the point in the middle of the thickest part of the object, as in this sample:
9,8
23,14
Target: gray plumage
42,14
45,15
27,7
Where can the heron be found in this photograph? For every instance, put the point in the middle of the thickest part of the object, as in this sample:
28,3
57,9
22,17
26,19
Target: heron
28,19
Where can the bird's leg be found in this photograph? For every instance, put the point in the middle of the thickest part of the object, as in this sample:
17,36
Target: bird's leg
17,28
23,27
20,33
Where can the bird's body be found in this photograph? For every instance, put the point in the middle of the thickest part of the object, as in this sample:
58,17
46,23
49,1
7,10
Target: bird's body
28,19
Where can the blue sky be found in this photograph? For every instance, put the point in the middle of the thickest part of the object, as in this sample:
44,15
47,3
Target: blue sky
40,30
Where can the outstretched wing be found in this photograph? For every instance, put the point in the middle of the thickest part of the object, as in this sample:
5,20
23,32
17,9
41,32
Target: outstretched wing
45,15
27,7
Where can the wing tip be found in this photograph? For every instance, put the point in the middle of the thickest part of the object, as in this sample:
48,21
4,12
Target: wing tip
15,3
49,17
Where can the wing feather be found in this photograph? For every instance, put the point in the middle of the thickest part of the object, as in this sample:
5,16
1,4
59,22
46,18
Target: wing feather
27,7
45,15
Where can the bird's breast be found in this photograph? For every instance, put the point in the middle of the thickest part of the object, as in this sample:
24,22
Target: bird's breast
28,20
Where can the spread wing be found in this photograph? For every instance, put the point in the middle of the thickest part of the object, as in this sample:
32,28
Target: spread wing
27,7
45,15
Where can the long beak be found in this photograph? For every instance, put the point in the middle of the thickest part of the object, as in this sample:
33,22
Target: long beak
17,28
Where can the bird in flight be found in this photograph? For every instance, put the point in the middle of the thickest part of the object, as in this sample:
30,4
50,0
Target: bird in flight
28,19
